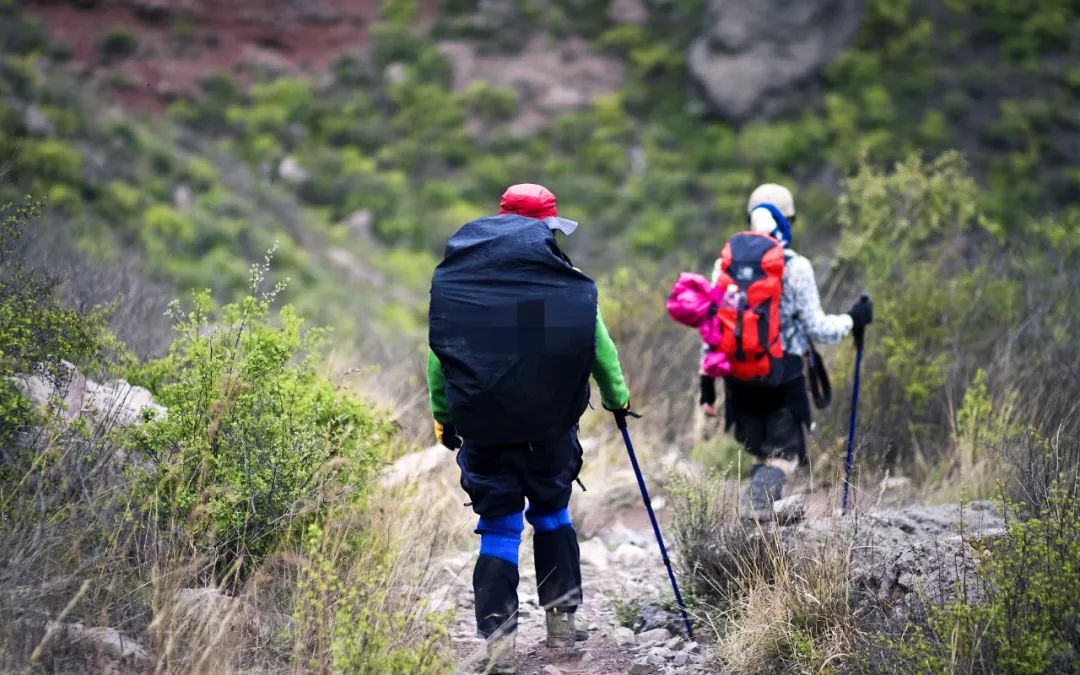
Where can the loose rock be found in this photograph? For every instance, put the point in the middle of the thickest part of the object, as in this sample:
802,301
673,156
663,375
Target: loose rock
630,555
640,668
653,636
653,616
623,636
291,172
595,553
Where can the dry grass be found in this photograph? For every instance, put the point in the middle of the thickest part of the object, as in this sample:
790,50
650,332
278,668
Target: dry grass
767,606
88,582
795,614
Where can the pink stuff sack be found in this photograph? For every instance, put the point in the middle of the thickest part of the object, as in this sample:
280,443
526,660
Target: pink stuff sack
690,300
711,332
715,363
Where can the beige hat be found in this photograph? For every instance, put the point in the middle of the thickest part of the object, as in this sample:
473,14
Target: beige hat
771,193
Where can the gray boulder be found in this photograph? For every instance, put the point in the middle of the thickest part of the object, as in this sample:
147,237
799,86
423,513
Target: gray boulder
753,54
905,560
70,395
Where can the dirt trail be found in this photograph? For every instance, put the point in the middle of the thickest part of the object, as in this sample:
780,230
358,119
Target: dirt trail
903,547
621,572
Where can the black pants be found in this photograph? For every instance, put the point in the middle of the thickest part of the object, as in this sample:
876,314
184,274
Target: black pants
499,480
769,421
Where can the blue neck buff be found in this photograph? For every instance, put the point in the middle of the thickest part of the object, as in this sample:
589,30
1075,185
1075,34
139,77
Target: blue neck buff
783,227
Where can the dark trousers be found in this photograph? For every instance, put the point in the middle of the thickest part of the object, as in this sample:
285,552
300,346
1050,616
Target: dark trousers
769,421
499,480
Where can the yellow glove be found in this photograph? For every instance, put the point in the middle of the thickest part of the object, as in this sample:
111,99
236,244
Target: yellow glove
447,436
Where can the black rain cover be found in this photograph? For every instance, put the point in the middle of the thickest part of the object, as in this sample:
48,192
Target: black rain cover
514,326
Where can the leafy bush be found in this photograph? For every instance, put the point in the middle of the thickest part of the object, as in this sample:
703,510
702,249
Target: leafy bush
119,42
378,625
1029,619
36,332
51,160
954,293
254,431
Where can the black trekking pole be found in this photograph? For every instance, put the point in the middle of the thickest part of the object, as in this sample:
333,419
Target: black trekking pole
620,421
849,459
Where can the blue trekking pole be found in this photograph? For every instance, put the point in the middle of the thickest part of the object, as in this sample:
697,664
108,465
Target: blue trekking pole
849,459
620,421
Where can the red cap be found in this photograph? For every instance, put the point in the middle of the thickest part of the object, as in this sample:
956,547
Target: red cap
529,200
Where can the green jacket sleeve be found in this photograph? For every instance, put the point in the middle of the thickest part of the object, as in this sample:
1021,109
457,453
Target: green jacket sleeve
606,369
440,409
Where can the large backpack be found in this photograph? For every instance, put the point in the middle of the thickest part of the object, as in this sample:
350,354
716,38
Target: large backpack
748,317
514,326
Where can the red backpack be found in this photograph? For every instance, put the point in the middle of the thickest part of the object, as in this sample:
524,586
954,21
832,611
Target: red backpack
747,321
739,316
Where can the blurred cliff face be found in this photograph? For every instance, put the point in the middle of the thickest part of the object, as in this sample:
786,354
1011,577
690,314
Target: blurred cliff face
752,55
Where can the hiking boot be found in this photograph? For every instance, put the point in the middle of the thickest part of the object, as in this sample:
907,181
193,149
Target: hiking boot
560,629
766,486
501,654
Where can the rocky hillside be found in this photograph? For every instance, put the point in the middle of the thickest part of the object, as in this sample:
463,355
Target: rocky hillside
233,509
180,42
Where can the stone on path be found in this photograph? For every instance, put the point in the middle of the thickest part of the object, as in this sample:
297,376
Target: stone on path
653,636
595,553
623,636
630,555
790,509
640,668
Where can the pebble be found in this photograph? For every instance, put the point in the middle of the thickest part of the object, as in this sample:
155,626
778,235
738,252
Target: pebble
674,644
552,670
655,660
680,659
640,668
623,636
654,635
630,555
593,627
621,534
595,553
662,652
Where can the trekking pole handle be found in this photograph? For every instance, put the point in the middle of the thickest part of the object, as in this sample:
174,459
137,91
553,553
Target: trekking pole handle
859,331
621,415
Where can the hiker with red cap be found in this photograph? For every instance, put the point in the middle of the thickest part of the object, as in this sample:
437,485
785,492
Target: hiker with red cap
515,333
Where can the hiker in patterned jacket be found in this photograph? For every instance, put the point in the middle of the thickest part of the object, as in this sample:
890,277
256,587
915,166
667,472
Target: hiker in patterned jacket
502,477
769,421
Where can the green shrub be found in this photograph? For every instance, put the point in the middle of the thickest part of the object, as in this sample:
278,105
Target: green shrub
254,432
19,33
50,159
119,42
491,102
932,298
1029,619
37,333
